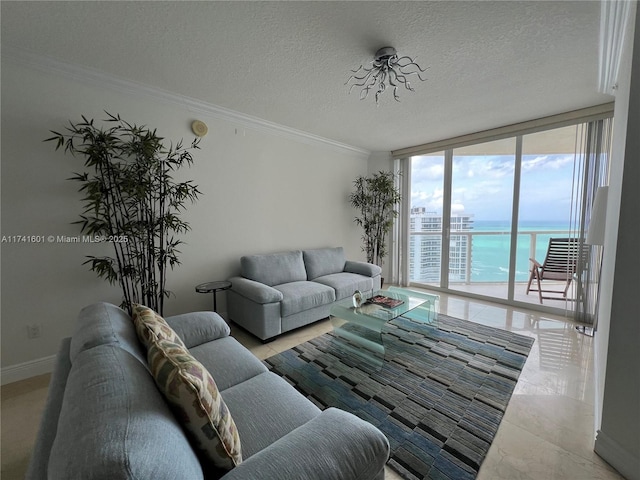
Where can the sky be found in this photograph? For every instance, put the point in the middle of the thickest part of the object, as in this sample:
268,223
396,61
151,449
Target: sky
483,186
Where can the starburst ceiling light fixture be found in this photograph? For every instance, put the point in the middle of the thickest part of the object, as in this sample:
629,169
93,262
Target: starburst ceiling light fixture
386,70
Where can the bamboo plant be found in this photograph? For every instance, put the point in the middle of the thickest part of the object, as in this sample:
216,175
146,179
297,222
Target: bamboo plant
132,200
376,198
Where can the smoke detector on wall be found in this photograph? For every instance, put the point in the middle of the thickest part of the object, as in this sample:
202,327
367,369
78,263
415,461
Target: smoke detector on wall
199,128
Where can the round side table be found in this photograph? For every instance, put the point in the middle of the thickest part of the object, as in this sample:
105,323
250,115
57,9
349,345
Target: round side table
214,287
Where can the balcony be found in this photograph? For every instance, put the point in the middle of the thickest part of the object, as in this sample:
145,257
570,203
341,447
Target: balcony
479,263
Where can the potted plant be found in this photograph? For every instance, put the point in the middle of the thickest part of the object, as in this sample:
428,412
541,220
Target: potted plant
376,198
131,200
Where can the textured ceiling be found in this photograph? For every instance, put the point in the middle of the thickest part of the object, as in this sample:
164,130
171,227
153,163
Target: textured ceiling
490,63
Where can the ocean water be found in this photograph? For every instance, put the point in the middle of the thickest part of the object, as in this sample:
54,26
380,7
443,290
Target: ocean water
490,253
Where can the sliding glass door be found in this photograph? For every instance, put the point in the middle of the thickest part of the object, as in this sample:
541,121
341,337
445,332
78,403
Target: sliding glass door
478,213
548,185
426,219
481,217
460,217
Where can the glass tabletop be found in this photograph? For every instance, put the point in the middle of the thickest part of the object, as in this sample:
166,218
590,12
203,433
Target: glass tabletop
358,326
383,305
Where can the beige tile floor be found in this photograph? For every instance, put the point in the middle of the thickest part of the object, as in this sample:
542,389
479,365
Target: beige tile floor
547,432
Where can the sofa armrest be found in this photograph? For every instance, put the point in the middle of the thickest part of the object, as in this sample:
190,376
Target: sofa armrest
333,446
39,461
255,291
363,268
196,328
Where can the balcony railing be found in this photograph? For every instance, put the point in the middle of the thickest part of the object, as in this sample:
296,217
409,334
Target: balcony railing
462,261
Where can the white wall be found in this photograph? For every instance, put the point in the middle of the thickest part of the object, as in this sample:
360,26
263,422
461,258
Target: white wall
616,340
263,190
382,161
613,209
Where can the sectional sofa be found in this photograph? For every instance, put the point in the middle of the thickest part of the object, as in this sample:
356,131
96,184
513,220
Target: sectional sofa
182,399
279,292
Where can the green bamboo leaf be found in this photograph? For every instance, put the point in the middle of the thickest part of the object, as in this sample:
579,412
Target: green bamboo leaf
375,198
128,191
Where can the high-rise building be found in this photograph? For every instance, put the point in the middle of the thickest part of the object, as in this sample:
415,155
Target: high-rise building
425,246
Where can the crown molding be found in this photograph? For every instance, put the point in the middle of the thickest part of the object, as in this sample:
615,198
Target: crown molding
96,77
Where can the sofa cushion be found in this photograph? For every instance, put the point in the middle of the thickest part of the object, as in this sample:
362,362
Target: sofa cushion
335,445
299,296
323,261
274,269
105,324
197,328
151,327
228,362
267,408
346,283
114,423
194,396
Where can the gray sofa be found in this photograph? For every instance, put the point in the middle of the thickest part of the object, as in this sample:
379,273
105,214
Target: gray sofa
106,419
279,292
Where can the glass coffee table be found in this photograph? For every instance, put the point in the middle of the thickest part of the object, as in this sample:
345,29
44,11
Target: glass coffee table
358,330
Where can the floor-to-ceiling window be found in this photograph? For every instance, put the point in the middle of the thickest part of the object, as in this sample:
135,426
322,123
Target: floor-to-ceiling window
478,211
427,201
551,161
481,215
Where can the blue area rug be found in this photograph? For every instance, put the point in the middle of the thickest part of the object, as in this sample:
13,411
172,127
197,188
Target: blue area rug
439,396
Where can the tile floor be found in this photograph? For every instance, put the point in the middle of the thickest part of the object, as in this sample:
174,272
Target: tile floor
547,432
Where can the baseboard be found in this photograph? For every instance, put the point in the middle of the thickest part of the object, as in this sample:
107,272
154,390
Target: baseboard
22,371
616,456
40,366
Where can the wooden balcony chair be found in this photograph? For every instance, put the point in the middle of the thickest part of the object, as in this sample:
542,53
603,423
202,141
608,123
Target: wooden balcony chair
560,265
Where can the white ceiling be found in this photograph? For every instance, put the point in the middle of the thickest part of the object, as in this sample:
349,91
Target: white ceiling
490,63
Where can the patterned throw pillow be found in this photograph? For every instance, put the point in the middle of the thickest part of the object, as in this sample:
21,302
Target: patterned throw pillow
191,391
151,327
